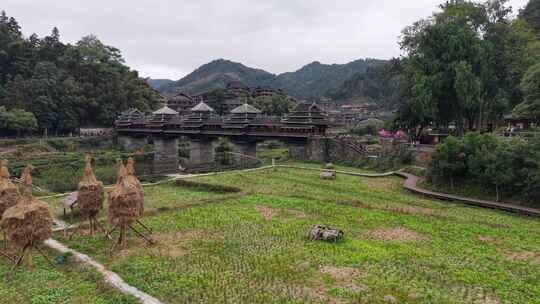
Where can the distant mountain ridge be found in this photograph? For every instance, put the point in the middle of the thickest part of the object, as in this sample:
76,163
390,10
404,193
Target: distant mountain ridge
158,83
312,80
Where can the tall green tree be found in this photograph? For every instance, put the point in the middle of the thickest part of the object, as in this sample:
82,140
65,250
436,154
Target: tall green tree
17,120
530,85
531,14
67,86
464,64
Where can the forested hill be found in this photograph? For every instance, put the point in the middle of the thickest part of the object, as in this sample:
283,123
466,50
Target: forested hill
312,80
64,86
315,79
378,84
216,75
158,83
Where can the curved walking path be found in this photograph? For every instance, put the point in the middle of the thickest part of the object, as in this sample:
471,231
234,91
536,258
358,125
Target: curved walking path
411,185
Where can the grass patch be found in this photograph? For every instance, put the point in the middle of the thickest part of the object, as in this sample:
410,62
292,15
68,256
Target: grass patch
206,187
253,248
70,283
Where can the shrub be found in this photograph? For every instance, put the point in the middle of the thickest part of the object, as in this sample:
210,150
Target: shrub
483,159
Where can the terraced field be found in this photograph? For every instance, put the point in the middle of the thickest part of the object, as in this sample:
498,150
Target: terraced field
251,247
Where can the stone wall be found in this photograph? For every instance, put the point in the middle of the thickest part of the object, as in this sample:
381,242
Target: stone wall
322,149
166,158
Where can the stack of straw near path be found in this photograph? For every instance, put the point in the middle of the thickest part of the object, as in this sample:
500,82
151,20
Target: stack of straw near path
91,194
9,194
29,222
125,200
132,179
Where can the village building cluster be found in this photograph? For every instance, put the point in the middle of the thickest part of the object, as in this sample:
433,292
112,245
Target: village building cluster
234,95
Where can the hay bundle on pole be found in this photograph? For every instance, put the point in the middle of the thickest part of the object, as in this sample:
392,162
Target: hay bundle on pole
9,193
90,197
132,179
29,223
125,202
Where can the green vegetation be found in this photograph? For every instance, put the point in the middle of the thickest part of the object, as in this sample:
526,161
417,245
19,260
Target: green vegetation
252,247
59,162
506,168
67,283
274,105
531,90
64,86
531,13
379,84
464,66
17,120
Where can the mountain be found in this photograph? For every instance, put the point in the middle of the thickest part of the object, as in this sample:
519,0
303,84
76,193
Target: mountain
158,83
312,80
217,74
379,84
315,79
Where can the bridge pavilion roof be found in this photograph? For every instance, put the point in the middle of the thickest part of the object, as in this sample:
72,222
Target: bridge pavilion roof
202,107
242,116
129,117
165,111
246,109
307,113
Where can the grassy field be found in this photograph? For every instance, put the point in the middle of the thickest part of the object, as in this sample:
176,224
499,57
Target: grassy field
251,247
69,283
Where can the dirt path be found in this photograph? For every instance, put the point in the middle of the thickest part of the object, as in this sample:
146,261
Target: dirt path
112,278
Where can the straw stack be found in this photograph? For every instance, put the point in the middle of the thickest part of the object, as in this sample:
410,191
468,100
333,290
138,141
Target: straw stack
91,194
9,194
125,199
29,222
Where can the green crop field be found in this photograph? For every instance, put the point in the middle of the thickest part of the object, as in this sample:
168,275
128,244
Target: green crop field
251,247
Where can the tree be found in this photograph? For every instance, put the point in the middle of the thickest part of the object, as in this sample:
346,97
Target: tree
463,65
67,86
468,89
531,13
17,120
276,105
488,160
530,85
448,160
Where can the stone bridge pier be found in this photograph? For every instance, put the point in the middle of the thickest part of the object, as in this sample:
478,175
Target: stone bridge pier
244,152
166,159
323,149
201,154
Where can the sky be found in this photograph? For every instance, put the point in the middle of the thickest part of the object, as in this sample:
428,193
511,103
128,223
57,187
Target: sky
169,39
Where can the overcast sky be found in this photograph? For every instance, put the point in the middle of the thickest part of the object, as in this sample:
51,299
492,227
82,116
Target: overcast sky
169,39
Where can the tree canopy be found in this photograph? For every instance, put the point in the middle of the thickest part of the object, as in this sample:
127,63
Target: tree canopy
66,86
273,105
464,65
531,14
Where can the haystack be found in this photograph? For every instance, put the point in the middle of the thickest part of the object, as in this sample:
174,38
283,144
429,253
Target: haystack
126,202
9,194
132,179
91,194
125,199
29,222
